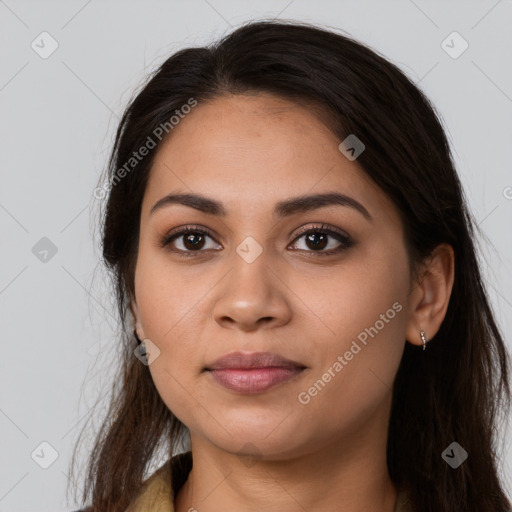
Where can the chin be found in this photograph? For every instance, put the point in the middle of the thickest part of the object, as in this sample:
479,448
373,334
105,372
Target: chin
256,443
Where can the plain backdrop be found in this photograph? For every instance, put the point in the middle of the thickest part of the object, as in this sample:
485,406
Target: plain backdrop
58,114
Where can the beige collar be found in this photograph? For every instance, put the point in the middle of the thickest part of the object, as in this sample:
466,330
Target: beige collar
156,494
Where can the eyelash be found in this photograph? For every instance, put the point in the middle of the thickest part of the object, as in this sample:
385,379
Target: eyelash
346,241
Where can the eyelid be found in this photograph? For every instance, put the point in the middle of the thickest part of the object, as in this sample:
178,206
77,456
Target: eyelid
322,227
189,227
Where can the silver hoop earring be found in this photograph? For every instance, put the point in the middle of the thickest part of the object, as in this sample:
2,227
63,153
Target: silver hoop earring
423,339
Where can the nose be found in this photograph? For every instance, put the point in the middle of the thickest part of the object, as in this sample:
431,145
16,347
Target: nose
252,297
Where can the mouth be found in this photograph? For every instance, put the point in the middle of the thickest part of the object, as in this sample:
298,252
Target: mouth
251,373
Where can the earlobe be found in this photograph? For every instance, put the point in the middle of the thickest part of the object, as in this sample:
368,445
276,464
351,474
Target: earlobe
432,296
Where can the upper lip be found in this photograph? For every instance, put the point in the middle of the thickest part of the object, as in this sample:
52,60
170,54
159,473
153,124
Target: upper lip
243,360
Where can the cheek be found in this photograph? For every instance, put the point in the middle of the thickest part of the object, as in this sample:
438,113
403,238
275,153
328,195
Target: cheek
165,298
364,296
354,380
172,314
364,311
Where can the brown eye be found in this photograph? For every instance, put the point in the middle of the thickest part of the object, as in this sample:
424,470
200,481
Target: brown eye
318,239
193,241
187,240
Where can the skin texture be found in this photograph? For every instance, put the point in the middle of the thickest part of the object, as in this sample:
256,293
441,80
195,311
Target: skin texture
249,152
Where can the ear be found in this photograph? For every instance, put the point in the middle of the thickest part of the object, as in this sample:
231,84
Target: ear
431,295
134,310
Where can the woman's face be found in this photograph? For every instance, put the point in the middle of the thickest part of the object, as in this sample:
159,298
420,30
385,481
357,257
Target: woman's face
256,283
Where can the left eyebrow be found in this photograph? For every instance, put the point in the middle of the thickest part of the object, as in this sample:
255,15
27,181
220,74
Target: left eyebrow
284,208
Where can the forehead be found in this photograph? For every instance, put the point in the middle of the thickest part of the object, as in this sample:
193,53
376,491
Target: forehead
253,150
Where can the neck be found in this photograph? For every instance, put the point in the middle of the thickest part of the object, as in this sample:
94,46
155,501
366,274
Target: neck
349,475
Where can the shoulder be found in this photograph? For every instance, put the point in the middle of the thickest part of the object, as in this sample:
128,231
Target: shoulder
403,501
158,491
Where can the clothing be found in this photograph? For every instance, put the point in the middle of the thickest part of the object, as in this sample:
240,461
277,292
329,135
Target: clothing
158,491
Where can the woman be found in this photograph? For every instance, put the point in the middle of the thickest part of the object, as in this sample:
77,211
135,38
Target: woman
298,289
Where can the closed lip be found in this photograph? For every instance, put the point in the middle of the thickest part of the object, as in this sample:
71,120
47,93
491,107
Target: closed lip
249,360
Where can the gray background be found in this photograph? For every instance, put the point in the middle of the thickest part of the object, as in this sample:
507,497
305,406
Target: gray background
57,120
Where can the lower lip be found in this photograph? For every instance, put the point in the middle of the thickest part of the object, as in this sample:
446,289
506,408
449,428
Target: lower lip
254,380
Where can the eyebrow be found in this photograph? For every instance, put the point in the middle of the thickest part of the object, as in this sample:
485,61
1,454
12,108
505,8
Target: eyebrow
284,208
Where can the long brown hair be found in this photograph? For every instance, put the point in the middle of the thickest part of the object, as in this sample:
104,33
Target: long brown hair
455,390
